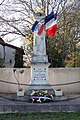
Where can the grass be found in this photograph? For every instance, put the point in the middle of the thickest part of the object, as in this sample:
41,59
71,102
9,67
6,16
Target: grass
41,116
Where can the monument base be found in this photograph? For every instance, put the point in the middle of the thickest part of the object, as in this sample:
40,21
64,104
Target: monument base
39,78
40,87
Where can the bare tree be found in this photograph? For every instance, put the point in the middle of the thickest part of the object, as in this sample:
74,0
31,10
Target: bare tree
16,17
2,2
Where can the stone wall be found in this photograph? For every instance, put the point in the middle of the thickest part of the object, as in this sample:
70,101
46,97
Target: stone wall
65,75
56,76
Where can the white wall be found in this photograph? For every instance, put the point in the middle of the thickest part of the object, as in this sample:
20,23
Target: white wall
56,75
65,75
9,54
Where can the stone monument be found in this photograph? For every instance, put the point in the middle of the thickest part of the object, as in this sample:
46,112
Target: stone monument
39,61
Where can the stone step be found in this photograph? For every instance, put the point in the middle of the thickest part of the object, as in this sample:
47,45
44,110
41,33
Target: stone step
20,104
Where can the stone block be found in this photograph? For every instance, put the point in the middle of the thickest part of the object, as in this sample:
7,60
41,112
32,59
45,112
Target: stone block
58,92
20,93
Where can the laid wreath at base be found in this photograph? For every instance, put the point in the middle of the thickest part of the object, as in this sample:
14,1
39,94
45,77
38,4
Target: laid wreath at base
40,96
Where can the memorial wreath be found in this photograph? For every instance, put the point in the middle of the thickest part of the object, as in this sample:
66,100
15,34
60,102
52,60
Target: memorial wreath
40,96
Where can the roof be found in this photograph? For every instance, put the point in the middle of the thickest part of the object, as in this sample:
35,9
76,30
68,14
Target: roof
9,45
1,40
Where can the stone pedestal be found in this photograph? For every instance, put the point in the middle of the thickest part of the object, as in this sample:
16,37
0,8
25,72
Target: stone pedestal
39,78
20,93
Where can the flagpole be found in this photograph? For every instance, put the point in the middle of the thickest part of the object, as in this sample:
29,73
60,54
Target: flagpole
46,12
58,6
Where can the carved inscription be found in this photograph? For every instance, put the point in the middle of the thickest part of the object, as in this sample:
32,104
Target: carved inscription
39,74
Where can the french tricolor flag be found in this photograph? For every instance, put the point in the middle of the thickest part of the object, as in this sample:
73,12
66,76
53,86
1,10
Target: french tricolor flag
50,25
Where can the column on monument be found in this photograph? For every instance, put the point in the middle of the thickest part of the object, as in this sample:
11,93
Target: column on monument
39,44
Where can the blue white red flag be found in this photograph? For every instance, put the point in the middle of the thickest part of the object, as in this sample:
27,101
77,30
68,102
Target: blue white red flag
50,25
50,16
38,27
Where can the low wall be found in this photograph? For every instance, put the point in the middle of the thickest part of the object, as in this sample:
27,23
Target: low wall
65,75
55,75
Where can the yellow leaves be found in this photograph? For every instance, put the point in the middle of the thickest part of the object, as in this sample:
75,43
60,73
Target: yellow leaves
32,18
59,51
27,40
40,10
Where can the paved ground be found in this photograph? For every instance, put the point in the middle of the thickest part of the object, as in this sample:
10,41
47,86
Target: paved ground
10,103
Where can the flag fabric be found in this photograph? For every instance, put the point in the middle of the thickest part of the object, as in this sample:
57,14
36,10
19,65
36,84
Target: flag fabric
50,25
50,16
51,31
41,29
34,25
38,27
